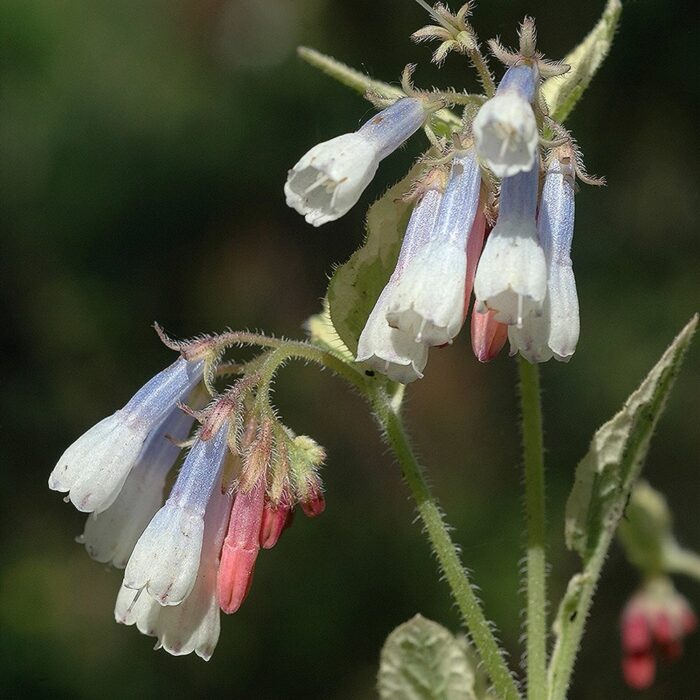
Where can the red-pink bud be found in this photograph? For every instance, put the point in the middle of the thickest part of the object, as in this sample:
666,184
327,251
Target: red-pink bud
488,335
475,243
639,670
274,522
636,635
241,547
315,504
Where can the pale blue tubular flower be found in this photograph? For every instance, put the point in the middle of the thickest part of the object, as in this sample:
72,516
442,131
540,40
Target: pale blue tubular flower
389,350
194,624
327,182
94,468
512,275
110,536
555,333
428,301
505,128
166,557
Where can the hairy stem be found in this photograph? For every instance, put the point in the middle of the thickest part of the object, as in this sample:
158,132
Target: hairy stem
535,516
438,533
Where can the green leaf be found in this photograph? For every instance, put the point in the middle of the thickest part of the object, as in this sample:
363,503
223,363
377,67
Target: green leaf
355,286
443,121
605,476
323,334
421,660
563,92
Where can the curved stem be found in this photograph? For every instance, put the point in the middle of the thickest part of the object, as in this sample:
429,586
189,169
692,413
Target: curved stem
535,515
296,350
445,550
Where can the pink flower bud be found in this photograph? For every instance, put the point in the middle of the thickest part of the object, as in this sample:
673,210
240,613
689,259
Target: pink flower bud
315,503
636,635
241,547
488,335
639,670
275,520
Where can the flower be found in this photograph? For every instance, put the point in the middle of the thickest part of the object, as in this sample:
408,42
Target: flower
327,182
382,347
655,619
505,129
111,535
555,332
194,624
94,468
511,277
428,300
166,557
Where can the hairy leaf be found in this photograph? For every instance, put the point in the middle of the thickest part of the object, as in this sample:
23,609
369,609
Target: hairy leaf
421,660
605,476
323,334
563,92
356,285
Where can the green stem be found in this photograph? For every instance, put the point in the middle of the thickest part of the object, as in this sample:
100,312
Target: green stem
571,621
535,515
446,552
683,561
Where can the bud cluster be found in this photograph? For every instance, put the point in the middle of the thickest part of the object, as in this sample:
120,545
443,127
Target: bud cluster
192,555
522,280
654,622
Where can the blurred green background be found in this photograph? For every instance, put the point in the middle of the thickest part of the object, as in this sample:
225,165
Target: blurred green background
143,148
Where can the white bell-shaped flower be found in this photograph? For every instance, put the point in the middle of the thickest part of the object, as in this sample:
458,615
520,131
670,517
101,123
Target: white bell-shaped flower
511,278
94,468
505,128
555,333
327,182
389,350
428,301
110,536
166,557
194,624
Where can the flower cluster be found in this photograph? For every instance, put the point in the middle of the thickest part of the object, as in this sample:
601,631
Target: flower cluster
654,621
194,554
522,280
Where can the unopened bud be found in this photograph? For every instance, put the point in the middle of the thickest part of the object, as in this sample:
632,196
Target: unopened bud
240,549
314,504
488,335
275,520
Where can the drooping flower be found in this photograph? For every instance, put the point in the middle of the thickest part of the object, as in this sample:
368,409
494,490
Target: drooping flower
166,557
654,621
194,624
390,350
505,128
555,332
94,468
110,536
428,301
327,182
512,275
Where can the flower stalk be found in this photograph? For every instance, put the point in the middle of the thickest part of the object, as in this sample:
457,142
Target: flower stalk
535,517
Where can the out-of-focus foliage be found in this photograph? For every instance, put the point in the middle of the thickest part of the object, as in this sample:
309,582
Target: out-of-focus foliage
143,148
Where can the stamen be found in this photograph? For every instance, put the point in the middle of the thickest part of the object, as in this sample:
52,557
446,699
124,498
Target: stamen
320,180
520,311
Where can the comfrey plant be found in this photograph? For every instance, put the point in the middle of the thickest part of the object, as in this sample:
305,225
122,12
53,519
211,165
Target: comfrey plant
489,209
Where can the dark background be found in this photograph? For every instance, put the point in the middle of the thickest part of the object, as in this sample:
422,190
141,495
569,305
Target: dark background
143,148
